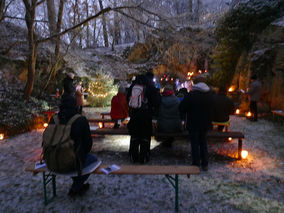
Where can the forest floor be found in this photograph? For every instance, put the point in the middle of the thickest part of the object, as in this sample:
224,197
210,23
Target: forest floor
255,184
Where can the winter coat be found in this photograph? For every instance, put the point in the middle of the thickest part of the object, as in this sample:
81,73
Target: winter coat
223,108
79,96
198,106
68,85
140,123
169,117
80,129
255,90
119,107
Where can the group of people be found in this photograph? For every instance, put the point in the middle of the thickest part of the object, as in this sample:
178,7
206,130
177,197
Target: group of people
198,109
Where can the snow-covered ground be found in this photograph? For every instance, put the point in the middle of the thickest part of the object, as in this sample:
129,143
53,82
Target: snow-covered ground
252,185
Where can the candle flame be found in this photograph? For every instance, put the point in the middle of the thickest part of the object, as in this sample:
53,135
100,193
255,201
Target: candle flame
45,125
100,125
237,111
249,114
229,139
1,137
244,154
231,89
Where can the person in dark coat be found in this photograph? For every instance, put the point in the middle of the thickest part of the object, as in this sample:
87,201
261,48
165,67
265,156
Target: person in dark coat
80,133
223,107
140,124
68,85
169,118
198,108
254,93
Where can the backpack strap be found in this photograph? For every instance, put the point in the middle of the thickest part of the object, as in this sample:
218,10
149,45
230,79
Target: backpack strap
56,119
74,118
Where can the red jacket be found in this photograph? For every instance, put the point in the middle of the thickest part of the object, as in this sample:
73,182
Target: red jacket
119,107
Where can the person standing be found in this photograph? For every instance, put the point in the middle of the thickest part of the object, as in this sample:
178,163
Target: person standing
143,101
254,93
79,97
198,108
68,86
223,107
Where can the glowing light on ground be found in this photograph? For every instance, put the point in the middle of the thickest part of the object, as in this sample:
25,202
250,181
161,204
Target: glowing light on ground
244,154
248,114
100,125
231,89
237,111
45,125
1,136
229,139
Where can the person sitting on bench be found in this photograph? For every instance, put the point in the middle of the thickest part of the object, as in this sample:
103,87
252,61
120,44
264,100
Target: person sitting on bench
223,107
81,135
119,106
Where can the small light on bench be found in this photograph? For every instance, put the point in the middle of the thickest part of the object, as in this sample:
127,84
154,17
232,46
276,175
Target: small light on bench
1,136
230,139
100,125
231,89
248,114
244,154
45,125
237,111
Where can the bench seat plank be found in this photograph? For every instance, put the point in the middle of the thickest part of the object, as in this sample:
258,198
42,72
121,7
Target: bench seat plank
138,170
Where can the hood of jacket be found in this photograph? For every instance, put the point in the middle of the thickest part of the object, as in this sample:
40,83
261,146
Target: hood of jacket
67,107
202,87
169,101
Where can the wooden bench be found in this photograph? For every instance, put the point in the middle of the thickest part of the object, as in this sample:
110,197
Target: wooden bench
103,114
103,121
225,124
279,114
167,170
183,134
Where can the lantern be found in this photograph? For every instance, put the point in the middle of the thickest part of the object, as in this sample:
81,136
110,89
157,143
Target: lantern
248,114
244,154
45,125
1,136
237,111
101,125
231,89
230,139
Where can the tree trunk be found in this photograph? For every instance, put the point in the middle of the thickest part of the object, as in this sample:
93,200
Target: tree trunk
116,26
51,16
2,7
190,9
198,3
88,30
55,61
104,25
29,17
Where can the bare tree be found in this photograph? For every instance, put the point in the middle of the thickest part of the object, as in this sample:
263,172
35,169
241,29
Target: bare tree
51,16
30,6
198,3
2,7
104,25
116,35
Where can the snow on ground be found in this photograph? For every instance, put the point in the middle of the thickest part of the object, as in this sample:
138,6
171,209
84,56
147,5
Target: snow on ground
252,185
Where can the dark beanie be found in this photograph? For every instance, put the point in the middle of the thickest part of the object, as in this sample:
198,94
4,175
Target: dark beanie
67,102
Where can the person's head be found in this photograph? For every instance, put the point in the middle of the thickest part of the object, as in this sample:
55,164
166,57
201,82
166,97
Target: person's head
71,75
168,87
150,75
222,90
253,78
121,89
183,90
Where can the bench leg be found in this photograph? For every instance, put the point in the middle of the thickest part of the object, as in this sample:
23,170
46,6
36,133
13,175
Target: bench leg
46,179
174,182
240,145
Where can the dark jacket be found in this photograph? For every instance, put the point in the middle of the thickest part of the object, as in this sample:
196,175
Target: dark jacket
68,86
223,108
140,123
198,106
169,116
255,90
80,129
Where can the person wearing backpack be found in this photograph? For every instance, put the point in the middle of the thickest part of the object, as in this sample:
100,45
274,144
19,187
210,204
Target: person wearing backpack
143,100
80,134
